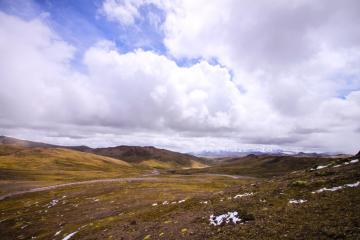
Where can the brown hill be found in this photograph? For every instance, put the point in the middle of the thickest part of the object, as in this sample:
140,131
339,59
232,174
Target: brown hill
262,165
151,156
22,143
147,156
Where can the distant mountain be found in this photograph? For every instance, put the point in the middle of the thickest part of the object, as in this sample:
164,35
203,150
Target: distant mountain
277,152
224,153
147,156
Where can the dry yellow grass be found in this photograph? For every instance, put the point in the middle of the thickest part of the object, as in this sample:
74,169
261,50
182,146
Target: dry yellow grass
56,164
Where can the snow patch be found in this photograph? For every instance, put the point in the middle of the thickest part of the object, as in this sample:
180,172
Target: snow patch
167,202
69,235
244,195
297,201
320,167
224,218
353,184
347,163
52,203
333,189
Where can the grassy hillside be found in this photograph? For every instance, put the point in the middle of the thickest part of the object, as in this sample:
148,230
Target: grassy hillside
144,156
49,165
22,143
260,166
151,156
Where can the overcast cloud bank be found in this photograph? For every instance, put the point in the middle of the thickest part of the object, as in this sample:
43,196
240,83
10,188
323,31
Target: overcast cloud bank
279,74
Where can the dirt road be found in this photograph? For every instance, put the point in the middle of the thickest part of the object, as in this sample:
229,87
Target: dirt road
40,189
133,179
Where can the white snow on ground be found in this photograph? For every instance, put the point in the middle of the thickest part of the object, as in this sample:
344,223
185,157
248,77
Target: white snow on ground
226,217
333,189
336,166
167,202
244,195
347,163
297,201
69,235
353,184
52,203
320,167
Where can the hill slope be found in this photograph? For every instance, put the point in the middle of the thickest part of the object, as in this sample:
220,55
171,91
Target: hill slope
146,156
261,165
22,143
151,156
55,165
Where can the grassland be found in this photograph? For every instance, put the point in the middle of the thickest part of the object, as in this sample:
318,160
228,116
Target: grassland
282,202
22,167
263,166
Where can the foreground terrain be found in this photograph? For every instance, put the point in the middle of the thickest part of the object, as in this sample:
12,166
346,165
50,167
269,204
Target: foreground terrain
95,197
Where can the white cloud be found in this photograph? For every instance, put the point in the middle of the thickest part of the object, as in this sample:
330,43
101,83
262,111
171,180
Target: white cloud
136,90
124,12
294,78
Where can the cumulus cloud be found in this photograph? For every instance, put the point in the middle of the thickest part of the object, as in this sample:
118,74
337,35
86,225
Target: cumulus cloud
135,90
285,75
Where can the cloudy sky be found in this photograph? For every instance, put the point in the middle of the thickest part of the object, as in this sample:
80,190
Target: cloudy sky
182,74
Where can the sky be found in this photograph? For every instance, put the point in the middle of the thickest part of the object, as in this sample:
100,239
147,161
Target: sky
184,75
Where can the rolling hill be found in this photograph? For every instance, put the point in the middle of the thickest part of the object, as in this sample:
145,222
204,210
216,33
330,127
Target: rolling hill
145,156
151,156
22,167
261,165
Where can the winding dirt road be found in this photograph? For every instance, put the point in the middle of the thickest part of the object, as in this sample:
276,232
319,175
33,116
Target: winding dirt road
40,189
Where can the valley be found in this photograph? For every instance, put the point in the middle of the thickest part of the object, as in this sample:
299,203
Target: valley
51,192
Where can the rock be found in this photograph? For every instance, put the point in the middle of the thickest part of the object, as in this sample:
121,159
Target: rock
248,217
